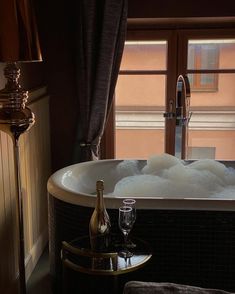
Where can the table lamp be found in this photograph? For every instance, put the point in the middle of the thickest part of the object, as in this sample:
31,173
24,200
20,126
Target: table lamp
18,43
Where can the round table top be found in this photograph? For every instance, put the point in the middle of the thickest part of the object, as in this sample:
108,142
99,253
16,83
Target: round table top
78,256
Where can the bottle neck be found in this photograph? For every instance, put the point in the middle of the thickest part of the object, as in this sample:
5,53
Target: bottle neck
100,199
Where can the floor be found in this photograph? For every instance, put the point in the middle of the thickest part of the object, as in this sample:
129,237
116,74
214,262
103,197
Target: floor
39,281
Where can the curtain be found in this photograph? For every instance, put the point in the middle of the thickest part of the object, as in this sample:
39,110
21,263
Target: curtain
101,29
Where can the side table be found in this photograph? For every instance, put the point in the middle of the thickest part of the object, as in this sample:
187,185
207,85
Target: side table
77,256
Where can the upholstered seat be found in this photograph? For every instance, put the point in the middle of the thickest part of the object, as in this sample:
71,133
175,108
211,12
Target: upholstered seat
137,287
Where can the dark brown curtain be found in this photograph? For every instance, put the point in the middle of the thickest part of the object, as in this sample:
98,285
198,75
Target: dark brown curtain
101,28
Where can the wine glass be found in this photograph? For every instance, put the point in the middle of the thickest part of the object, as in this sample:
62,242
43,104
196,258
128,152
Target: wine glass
131,203
125,222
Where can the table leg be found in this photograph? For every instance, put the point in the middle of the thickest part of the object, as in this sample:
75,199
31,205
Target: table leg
115,285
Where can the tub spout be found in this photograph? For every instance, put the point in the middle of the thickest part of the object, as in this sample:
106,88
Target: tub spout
179,112
182,104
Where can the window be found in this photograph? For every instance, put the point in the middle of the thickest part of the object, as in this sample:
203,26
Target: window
140,98
203,55
146,86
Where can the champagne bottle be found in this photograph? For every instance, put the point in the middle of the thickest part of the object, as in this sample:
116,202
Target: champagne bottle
99,226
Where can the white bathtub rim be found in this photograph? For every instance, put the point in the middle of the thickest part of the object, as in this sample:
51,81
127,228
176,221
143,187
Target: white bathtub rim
112,202
61,192
155,203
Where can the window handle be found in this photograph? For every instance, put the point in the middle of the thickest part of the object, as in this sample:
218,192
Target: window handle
170,114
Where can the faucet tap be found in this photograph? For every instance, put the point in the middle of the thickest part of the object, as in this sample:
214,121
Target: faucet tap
179,112
182,100
182,104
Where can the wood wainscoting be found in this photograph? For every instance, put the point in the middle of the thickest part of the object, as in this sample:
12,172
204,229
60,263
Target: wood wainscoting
35,170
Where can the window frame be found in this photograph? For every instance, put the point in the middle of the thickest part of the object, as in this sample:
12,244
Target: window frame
177,45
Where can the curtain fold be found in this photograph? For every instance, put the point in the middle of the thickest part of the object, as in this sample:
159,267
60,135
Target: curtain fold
101,30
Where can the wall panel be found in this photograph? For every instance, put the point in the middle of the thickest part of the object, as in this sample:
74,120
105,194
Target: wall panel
35,170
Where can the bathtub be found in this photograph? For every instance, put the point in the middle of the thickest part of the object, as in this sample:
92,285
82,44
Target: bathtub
193,239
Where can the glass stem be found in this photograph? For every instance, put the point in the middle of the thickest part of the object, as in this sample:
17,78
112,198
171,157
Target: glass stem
125,238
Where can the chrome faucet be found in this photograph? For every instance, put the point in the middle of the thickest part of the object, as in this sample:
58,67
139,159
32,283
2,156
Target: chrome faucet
179,112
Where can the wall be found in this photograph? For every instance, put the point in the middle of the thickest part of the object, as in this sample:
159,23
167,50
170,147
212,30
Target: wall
35,170
180,8
56,28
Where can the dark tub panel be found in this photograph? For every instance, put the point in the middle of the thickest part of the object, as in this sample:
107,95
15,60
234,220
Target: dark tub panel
189,247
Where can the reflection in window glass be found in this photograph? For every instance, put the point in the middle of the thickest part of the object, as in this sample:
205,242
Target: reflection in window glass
203,82
223,97
203,56
211,54
212,124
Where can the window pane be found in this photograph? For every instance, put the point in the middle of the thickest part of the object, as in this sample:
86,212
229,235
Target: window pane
211,54
138,143
221,144
140,90
144,55
140,101
203,82
224,94
209,79
212,124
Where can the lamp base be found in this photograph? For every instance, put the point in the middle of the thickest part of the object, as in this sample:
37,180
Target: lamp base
15,119
16,122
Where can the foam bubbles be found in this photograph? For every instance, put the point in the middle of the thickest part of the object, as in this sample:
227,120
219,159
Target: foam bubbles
229,176
185,174
151,186
157,163
167,176
128,168
213,166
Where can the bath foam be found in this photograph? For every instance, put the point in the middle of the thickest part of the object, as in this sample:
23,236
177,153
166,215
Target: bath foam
167,176
128,168
213,166
157,163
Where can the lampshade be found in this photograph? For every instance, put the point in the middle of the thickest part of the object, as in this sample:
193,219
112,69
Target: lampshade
18,34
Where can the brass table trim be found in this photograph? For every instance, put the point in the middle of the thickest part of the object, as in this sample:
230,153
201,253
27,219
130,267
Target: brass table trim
112,255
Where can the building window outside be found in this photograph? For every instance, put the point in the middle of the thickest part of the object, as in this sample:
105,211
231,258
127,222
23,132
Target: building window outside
203,56
142,94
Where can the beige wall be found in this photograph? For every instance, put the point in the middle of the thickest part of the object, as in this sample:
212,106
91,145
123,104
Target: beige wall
35,170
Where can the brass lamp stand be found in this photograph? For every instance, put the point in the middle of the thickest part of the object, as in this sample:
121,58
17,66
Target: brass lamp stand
19,43
15,119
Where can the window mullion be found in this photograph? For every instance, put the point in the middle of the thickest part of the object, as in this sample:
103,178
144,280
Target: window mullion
170,92
182,53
